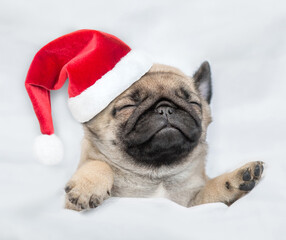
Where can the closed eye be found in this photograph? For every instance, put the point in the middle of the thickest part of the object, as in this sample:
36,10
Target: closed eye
118,109
125,106
196,103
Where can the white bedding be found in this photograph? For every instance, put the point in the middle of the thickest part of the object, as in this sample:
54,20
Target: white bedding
245,42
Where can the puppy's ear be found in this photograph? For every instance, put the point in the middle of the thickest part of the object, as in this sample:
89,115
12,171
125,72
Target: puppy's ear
203,83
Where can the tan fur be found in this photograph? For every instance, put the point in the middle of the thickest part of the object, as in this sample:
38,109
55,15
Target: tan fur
91,182
225,188
104,168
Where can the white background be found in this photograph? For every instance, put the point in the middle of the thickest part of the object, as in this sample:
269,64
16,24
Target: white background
245,43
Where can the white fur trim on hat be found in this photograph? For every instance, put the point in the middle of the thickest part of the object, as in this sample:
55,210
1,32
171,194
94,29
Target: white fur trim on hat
48,149
94,99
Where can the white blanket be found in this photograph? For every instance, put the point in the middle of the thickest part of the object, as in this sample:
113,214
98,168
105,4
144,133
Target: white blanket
245,43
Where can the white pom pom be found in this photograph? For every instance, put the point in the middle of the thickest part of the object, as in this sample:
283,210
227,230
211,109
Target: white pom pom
48,149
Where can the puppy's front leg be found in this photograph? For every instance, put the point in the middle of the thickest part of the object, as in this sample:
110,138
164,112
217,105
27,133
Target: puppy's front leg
89,186
229,187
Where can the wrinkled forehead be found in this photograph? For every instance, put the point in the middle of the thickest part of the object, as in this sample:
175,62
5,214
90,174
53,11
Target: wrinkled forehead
164,79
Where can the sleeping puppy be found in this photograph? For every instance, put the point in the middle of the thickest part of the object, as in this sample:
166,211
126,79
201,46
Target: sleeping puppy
151,142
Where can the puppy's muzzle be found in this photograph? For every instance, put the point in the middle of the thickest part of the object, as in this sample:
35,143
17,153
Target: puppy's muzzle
162,133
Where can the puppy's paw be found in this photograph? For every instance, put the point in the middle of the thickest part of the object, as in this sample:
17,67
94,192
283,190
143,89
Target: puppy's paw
244,179
251,174
82,193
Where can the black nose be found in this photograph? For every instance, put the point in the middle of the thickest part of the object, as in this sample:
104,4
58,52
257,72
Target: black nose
165,108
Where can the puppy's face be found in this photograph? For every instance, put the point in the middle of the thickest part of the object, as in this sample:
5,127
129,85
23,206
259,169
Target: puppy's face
158,121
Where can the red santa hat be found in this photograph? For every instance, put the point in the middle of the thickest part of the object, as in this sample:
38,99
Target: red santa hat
99,66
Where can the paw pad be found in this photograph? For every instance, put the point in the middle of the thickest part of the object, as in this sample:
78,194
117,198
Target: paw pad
246,175
248,186
251,175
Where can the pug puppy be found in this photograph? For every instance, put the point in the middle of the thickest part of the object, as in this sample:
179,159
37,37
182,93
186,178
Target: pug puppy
151,142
